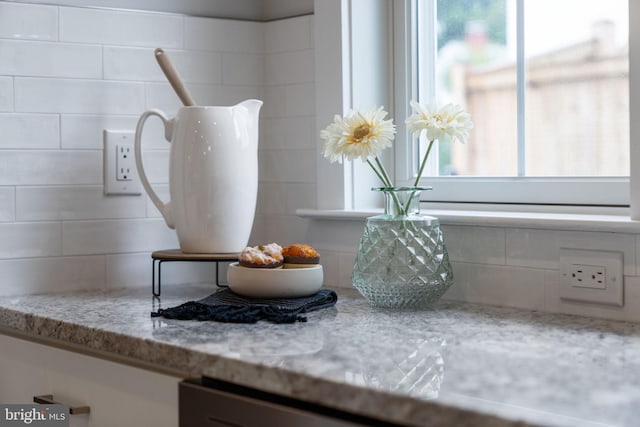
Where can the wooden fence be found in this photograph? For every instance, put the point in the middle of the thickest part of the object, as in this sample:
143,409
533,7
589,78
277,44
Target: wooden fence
576,121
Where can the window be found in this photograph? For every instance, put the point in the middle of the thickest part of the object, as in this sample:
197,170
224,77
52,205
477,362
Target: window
547,85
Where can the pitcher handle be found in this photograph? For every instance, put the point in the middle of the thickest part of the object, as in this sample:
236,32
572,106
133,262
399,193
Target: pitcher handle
164,208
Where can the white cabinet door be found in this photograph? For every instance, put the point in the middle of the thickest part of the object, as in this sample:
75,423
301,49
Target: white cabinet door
119,395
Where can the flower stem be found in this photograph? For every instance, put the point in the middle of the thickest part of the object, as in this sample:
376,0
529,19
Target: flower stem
387,182
380,176
424,163
384,172
415,184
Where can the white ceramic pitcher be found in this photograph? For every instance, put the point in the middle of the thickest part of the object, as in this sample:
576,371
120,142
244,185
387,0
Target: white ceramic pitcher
213,175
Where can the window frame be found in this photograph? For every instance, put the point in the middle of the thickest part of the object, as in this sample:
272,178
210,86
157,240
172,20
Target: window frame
335,184
407,22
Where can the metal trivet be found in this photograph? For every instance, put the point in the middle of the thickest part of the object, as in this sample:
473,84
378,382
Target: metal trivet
171,255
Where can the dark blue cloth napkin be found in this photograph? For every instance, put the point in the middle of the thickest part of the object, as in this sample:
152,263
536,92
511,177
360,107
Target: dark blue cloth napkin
226,306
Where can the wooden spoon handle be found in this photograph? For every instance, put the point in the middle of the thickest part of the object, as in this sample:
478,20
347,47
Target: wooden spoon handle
174,78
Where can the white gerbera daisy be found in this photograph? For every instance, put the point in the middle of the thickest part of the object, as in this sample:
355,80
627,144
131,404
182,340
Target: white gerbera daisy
445,124
362,135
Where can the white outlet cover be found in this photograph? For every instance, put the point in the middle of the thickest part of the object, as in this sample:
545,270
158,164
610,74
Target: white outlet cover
112,186
613,291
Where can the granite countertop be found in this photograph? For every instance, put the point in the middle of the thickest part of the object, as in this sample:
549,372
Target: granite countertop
458,364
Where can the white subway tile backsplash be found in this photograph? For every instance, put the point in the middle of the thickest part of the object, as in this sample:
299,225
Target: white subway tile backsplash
199,67
128,270
223,35
34,275
499,285
300,99
27,131
30,239
103,77
131,63
6,93
242,69
127,63
85,131
116,236
153,136
329,262
287,165
289,35
300,196
339,236
289,101
156,166
74,203
346,260
45,59
83,25
289,67
272,199
162,97
162,190
7,204
28,21
43,167
540,248
134,270
275,102
259,230
282,229
484,245
288,133
78,96
82,131
228,95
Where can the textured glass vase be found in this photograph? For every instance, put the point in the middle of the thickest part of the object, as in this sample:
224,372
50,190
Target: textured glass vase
402,261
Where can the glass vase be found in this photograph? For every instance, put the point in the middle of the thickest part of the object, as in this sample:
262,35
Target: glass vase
402,261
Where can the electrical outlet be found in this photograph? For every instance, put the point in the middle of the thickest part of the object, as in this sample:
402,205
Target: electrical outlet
120,174
592,276
588,276
125,162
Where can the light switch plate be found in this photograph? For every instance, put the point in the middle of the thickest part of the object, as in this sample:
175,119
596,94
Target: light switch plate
592,276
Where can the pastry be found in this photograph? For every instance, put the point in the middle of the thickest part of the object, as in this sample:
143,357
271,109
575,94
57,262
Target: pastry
300,256
261,256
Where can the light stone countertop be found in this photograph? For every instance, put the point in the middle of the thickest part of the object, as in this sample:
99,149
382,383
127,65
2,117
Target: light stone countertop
456,365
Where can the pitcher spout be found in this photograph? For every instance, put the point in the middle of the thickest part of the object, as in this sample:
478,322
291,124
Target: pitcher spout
252,105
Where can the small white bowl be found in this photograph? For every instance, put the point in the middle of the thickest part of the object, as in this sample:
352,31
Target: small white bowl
274,282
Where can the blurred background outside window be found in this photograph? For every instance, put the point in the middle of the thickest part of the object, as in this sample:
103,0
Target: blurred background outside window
576,92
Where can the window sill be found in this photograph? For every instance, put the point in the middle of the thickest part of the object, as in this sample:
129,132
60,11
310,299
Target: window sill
614,220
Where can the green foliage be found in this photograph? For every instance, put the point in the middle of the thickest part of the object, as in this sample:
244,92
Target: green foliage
454,14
